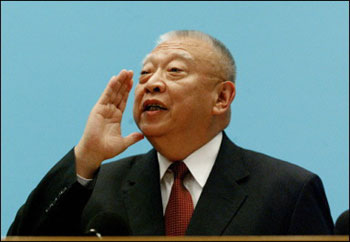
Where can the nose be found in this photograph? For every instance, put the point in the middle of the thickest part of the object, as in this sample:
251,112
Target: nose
155,84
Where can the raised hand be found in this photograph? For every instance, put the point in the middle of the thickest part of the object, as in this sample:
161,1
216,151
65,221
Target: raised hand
102,137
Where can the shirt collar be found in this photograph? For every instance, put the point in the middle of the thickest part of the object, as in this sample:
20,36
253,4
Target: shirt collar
199,163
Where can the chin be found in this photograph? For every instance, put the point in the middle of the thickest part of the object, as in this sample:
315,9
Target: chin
152,131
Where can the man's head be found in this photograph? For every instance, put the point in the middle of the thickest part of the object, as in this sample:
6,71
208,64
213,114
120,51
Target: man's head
226,64
186,87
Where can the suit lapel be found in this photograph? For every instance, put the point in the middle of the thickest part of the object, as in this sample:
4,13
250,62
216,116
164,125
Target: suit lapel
220,201
142,197
222,196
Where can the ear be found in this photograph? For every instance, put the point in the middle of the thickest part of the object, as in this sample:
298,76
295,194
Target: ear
226,92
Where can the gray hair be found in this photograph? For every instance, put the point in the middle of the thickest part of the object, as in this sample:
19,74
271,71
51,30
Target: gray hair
218,46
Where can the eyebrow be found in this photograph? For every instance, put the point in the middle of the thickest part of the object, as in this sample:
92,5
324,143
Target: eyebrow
181,55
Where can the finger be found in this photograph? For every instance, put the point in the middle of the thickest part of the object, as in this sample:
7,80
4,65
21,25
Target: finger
116,85
122,95
110,91
113,87
132,139
106,95
131,80
131,73
122,104
119,79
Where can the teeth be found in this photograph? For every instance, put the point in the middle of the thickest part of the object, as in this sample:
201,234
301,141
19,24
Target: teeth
154,107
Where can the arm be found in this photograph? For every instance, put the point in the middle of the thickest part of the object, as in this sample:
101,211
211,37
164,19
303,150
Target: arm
54,207
102,137
311,215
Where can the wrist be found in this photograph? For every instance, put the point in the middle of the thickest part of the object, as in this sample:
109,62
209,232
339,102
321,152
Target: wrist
86,162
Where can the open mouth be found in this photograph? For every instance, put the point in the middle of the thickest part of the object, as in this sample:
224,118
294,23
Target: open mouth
153,107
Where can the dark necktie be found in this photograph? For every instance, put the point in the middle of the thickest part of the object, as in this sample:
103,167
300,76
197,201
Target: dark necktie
179,210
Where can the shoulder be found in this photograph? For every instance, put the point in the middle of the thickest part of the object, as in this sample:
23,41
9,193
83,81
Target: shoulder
284,189
261,161
263,165
266,169
276,172
121,165
285,182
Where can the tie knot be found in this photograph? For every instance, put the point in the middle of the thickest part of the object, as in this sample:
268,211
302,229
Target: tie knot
180,169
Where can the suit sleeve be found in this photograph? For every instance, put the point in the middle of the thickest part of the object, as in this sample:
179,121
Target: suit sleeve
54,207
311,215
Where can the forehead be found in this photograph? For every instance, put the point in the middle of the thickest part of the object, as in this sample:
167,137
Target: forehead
168,55
186,49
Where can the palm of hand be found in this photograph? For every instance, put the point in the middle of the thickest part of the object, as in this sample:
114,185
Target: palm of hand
103,131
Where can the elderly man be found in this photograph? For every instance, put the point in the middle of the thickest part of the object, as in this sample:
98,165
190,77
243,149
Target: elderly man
194,182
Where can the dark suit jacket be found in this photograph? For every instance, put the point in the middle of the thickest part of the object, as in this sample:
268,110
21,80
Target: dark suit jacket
247,193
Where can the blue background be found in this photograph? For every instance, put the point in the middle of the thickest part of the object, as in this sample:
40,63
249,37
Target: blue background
292,97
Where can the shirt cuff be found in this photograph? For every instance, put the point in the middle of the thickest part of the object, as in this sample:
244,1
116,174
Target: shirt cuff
84,181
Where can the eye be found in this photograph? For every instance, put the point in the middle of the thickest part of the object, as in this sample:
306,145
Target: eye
144,72
174,69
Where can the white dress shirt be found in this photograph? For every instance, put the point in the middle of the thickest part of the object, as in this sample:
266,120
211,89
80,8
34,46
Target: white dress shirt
199,163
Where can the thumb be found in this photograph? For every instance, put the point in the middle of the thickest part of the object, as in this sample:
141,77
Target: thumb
132,139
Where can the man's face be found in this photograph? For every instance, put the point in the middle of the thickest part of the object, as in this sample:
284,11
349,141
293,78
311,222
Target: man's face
175,93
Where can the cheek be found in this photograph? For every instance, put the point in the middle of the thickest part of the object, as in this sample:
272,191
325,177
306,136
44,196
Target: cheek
195,103
138,92
137,100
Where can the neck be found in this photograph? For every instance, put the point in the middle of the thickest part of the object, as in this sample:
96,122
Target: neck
180,146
